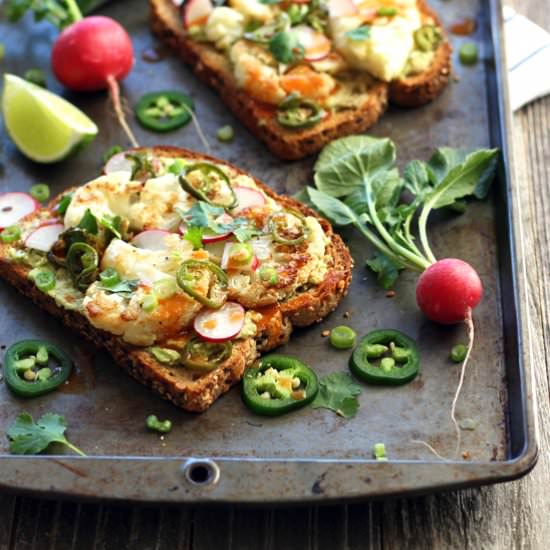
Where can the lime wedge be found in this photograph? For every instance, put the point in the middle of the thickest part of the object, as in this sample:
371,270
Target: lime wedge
44,126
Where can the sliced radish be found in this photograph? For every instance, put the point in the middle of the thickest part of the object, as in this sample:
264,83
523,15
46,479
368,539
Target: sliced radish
14,206
262,248
118,163
215,250
44,237
227,263
219,325
196,12
341,8
316,45
152,239
247,198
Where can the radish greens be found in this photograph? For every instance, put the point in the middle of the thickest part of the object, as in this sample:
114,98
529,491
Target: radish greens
358,183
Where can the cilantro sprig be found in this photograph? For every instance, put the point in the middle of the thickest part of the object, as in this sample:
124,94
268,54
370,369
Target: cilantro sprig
125,287
286,47
338,392
203,218
28,437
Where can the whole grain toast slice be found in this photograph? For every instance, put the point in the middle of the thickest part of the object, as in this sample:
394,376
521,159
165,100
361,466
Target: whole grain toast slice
213,68
187,389
422,88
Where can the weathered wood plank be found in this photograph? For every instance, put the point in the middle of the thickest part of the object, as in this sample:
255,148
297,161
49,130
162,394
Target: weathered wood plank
8,509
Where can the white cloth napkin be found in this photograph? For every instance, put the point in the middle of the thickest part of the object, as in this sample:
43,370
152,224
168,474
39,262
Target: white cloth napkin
528,56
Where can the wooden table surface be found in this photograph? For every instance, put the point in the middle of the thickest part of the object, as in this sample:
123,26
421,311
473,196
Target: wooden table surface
512,515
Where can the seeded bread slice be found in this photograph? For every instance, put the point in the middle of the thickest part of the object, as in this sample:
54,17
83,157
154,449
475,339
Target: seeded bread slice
419,89
184,388
213,69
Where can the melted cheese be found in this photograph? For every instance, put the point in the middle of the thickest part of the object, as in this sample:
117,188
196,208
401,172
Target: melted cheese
147,265
224,26
145,206
126,317
385,53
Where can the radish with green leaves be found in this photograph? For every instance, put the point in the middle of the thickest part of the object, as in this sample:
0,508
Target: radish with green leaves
91,53
358,184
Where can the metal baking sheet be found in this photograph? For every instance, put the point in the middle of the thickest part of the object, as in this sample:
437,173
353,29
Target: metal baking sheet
312,455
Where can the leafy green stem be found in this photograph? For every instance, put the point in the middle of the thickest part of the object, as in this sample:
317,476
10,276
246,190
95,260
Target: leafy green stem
74,448
422,232
399,250
74,10
381,246
408,235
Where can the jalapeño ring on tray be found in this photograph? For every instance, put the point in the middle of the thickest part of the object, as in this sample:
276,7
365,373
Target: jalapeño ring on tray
279,384
29,370
397,354
164,111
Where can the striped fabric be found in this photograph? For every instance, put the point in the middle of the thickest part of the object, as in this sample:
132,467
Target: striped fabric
528,56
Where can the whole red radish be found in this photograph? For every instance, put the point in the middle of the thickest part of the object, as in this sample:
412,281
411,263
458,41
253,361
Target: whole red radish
90,52
93,54
448,291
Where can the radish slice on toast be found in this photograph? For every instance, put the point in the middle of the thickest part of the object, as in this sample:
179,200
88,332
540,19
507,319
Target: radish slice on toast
14,206
341,8
44,237
196,12
152,239
118,163
219,325
247,198
316,45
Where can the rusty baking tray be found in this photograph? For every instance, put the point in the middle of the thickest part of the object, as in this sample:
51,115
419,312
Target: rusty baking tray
229,455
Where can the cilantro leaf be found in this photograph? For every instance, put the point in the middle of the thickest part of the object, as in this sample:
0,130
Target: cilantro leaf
194,235
243,230
28,437
387,271
112,224
338,392
359,34
286,47
88,222
125,287
203,216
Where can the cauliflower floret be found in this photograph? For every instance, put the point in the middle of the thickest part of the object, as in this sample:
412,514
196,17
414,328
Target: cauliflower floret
253,10
124,315
145,205
127,318
224,26
255,71
386,50
157,203
147,265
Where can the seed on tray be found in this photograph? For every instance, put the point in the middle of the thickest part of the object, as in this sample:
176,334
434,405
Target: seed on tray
325,333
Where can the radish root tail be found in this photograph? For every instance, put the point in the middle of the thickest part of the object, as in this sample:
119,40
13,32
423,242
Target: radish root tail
197,125
470,326
114,92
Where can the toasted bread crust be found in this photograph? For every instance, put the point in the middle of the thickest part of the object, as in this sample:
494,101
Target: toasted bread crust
197,393
212,68
423,88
